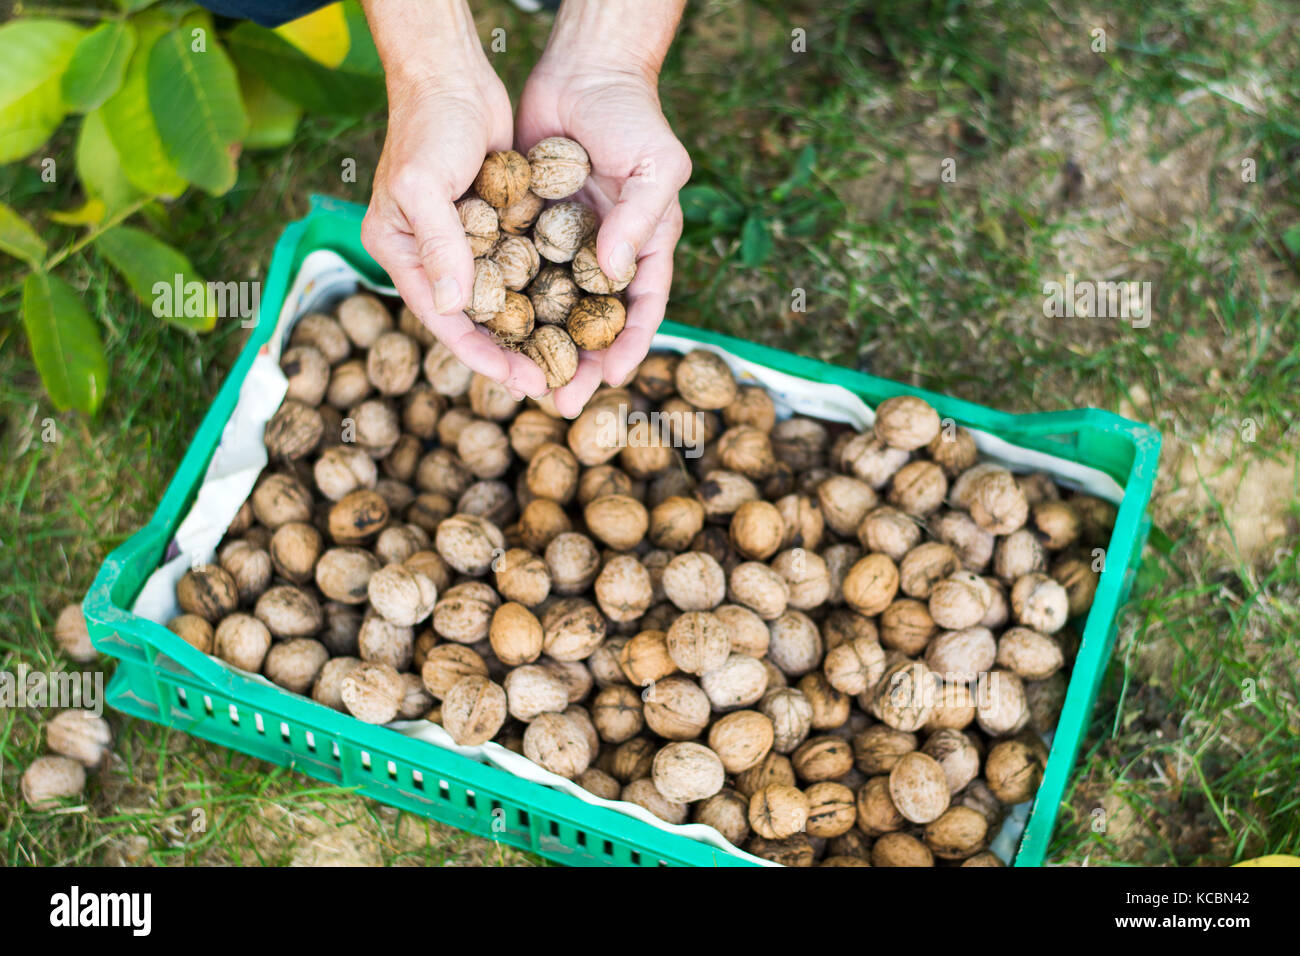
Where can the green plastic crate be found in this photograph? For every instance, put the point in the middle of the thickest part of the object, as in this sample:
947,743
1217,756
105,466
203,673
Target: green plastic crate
163,679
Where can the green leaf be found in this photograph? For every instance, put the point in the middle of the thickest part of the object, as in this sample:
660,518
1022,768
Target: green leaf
98,65
33,56
152,269
706,204
19,239
130,122
272,119
65,344
799,176
195,100
755,241
351,90
1291,239
362,56
131,6
100,168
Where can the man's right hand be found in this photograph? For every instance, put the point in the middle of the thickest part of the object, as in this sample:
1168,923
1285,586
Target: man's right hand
447,109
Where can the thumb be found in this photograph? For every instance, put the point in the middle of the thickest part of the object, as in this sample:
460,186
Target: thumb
646,196
444,253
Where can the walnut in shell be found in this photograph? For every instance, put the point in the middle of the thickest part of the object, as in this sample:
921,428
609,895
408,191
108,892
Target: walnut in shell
479,220
562,229
559,167
554,353
503,178
473,710
596,321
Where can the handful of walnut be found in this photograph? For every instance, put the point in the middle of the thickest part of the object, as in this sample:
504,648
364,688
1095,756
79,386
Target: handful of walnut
537,285
832,647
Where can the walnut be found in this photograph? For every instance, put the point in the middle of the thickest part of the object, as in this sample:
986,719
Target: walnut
778,811
759,588
957,756
295,548
72,636
953,450
553,295
723,492
791,716
562,229
747,450
645,794
397,543
328,688
906,422
845,624
589,276
523,577
280,498
698,642
1034,656
469,543
800,442
249,566
1013,770
705,380
832,810
617,713
727,811
807,578
480,222
348,385
464,613
446,664
654,376
599,783
694,581
925,566
393,363
738,682
484,449
871,584
552,472
900,849
503,178
294,664
877,814
918,787
554,353
754,407
403,596
1096,519
877,749
1080,582
376,427
358,516
795,646
749,635
447,374
620,521
519,263
488,294
822,758
541,522
960,656
381,641
518,218
962,490
343,469
1045,700
775,768
1040,603
242,640
1001,707
676,708
372,692
596,321
573,562
473,710
81,735
675,521
364,318
973,545
556,743
323,333
340,629
855,666
741,739
905,696
572,629
308,373
513,325
958,833
412,325
997,503
416,701
645,658
687,772
793,851
533,428
192,629
1018,554
559,167
207,590
47,780
623,589
919,488
960,600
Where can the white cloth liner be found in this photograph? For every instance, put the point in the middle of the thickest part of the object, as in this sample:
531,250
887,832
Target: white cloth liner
325,278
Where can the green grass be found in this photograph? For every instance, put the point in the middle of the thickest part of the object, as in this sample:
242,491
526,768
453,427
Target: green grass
1120,165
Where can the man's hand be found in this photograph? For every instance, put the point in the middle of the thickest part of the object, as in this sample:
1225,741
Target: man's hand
597,84
446,111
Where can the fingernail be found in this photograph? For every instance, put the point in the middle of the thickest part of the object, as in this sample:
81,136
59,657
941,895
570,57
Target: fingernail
623,260
446,294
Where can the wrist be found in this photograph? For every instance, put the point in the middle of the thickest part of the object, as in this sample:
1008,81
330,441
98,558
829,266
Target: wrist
611,37
428,46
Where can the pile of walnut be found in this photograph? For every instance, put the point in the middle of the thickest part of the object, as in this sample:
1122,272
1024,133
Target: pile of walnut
829,646
535,268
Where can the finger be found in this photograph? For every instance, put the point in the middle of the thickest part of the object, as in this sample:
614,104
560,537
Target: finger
645,199
647,300
524,377
571,399
442,248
